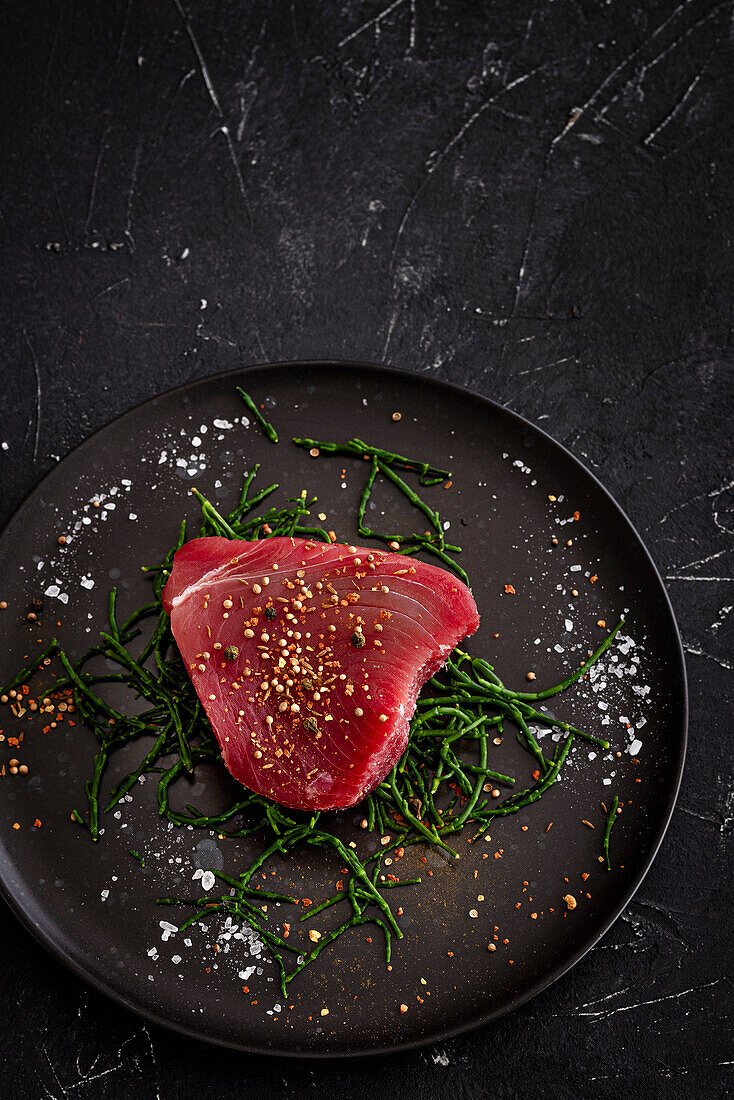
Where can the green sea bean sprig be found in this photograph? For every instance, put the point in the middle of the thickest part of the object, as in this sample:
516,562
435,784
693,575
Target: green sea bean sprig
443,783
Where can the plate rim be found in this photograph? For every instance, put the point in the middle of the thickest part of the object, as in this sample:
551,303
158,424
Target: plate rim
81,971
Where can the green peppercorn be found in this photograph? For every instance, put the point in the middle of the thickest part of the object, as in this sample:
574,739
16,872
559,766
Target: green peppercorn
270,612
358,640
231,653
311,725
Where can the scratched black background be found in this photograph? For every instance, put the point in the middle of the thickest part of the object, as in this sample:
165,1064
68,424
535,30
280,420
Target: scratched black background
532,199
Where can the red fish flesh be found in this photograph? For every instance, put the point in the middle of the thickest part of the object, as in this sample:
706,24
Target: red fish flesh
308,657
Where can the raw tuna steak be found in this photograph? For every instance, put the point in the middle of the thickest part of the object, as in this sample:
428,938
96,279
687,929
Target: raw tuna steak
308,657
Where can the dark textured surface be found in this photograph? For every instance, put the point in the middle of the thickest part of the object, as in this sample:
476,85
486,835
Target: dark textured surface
402,182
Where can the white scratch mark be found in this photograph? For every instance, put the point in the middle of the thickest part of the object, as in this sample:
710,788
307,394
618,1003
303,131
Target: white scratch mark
708,580
544,366
699,496
377,19
224,128
607,997
131,195
95,177
390,329
698,652
38,395
438,161
653,1001
123,33
112,286
669,118
703,561
577,112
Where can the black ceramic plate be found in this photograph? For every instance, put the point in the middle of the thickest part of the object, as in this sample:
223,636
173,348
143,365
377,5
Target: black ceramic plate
120,498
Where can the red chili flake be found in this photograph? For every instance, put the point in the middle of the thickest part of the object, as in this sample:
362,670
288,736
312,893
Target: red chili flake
37,823
340,885
594,579
577,516
245,989
510,590
536,774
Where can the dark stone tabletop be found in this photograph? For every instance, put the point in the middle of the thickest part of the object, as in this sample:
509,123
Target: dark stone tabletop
532,199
